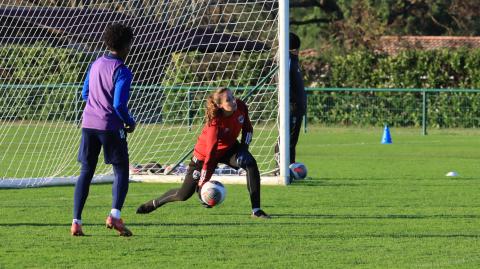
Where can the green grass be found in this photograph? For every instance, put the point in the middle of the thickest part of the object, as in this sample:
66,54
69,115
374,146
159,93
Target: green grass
366,205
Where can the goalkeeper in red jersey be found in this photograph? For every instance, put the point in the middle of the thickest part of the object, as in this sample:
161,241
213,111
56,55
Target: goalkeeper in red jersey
226,117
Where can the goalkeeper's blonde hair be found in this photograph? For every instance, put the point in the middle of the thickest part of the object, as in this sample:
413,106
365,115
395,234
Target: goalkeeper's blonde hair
213,100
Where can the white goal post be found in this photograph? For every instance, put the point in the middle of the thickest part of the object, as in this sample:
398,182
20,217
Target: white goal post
183,50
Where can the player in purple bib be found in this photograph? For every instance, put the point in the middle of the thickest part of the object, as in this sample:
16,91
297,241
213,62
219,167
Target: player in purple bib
106,122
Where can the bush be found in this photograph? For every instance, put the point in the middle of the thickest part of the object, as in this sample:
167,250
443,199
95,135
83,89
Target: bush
37,82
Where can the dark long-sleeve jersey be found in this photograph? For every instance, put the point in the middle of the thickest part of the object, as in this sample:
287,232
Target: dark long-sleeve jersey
220,135
298,97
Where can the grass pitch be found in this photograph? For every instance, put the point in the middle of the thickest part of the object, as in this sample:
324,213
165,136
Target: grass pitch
365,205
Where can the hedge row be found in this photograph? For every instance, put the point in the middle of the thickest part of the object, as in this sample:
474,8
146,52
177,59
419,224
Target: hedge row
33,79
444,109
409,69
41,64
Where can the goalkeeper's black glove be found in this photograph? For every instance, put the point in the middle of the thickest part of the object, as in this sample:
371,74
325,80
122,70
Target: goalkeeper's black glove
244,158
202,179
130,128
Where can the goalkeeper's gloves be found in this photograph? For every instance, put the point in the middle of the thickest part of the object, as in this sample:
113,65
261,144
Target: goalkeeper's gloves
244,158
130,128
202,179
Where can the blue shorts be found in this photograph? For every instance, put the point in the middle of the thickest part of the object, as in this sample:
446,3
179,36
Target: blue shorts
115,148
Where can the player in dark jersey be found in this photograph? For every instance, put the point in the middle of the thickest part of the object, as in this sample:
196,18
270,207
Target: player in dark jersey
298,98
226,117
105,123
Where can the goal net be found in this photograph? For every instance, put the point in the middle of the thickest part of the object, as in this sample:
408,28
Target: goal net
182,51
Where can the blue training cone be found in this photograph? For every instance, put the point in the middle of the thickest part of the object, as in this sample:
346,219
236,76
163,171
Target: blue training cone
386,138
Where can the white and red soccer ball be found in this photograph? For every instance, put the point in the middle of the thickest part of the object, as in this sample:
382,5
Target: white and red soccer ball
213,193
298,171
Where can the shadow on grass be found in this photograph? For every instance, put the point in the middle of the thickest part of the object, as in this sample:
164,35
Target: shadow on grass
247,221
156,224
360,182
339,182
354,236
394,235
389,216
94,228
251,221
325,182
351,216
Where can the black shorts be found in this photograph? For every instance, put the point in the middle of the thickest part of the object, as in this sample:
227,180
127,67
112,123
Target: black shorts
114,143
230,159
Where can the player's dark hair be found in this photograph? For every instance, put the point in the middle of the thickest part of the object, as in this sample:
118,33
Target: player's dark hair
213,100
294,41
117,36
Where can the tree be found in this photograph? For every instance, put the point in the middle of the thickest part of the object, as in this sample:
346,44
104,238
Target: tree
433,17
349,24
328,6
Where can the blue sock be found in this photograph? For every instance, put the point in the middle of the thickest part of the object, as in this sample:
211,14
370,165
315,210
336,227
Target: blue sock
81,189
120,185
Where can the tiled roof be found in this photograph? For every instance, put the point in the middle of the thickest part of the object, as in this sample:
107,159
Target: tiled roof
308,53
394,44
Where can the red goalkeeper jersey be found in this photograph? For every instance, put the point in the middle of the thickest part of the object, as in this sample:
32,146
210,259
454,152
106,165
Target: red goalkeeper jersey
220,135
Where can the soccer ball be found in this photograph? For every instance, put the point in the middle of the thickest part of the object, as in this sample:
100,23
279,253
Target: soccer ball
298,171
213,193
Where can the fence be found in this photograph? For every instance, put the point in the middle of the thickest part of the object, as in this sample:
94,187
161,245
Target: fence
437,108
